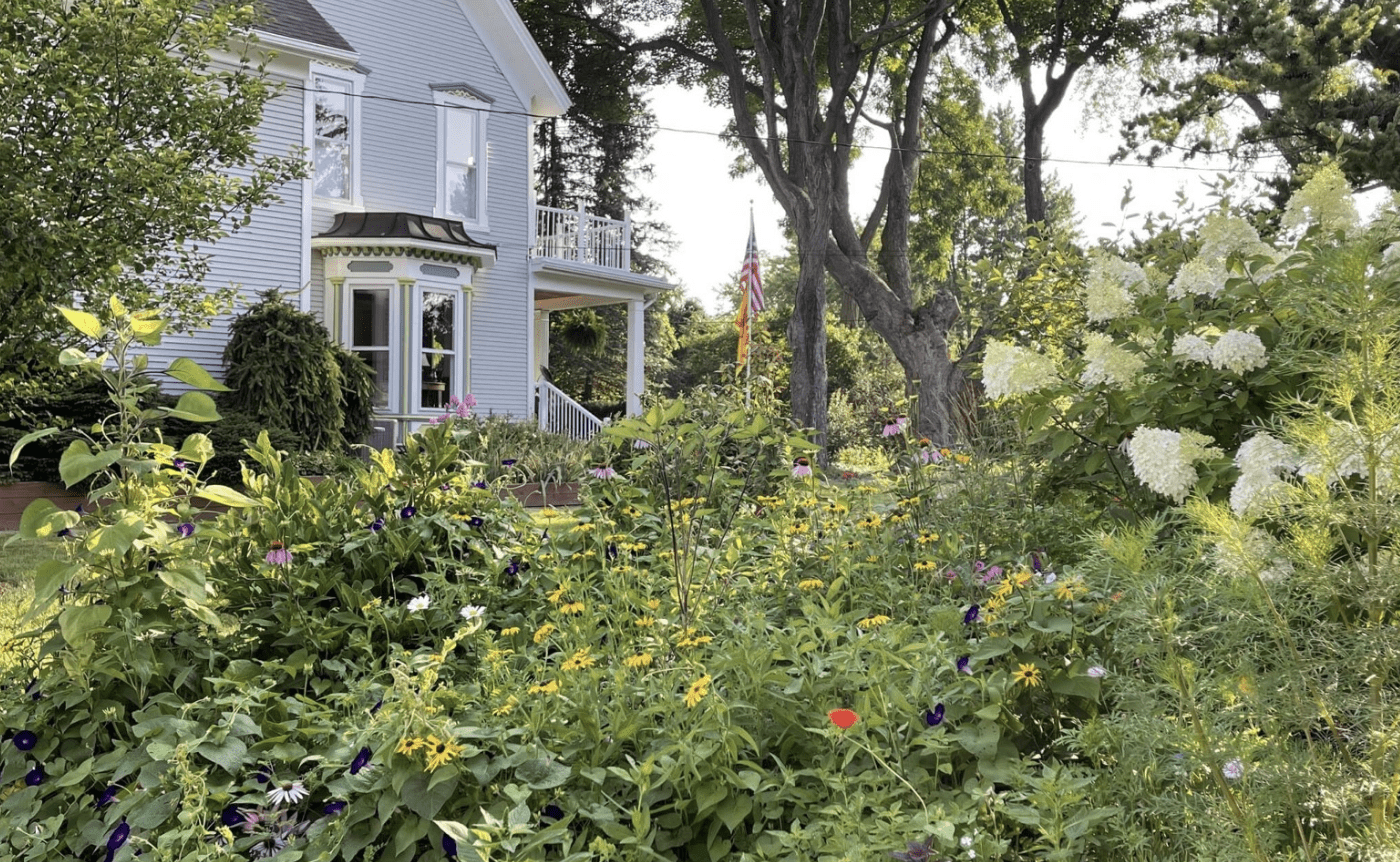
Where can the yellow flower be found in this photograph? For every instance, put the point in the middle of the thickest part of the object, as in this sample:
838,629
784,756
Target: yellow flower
639,660
810,584
870,522
1027,675
1004,588
496,655
409,744
506,708
837,508
543,632
799,528
925,566
653,603
996,603
513,630
963,459
555,596
547,688
926,538
899,518
698,690
572,608
579,660
585,527
695,641
873,622
1067,589
1023,577
440,751
644,622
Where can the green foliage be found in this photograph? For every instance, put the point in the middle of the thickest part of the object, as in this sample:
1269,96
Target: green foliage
130,153
518,452
284,370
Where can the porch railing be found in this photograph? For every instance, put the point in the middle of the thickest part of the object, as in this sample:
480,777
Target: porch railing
575,235
560,414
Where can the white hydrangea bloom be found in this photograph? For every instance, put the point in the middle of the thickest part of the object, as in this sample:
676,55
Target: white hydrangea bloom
1165,460
1325,201
1261,460
1191,347
1109,363
1238,352
1111,284
1223,234
1200,276
1008,370
1343,453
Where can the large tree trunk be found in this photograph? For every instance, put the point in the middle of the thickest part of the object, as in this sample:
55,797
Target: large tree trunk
807,327
1032,180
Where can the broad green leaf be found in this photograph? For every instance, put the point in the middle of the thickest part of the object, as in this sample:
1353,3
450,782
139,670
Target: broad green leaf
224,495
197,448
980,740
542,774
42,518
78,462
78,622
49,578
83,322
1075,685
228,754
71,356
196,407
191,372
187,580
118,308
116,539
27,439
734,810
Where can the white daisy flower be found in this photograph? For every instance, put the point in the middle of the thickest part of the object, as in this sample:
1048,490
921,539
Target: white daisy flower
420,603
473,612
287,791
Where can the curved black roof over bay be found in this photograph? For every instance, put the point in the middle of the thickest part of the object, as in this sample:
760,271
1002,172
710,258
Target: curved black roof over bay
352,225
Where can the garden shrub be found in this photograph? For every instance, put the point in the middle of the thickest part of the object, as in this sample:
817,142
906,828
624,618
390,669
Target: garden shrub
393,664
283,369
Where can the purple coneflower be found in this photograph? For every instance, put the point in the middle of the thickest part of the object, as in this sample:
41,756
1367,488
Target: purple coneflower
278,555
801,468
895,426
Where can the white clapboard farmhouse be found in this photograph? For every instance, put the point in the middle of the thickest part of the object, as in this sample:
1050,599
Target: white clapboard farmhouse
416,240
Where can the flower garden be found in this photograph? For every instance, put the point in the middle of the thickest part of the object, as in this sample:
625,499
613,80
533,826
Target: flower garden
1159,624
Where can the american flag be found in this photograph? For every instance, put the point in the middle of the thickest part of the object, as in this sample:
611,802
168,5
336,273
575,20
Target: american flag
749,277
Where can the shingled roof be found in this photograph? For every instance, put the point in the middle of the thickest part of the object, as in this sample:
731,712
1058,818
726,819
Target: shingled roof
298,19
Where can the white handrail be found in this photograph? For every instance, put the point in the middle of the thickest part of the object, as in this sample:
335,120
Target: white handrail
560,414
576,235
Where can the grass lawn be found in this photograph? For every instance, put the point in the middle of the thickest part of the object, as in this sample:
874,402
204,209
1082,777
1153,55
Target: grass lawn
19,559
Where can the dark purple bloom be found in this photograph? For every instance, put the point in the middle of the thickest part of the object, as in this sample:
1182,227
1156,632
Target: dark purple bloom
179,464
964,664
508,462
408,512
106,796
117,839
513,568
78,508
444,487
35,776
918,851
1035,562
477,521
333,808
185,530
360,762
33,690
264,775
377,704
481,485
449,846
934,717
971,616
550,813
25,740
612,551
376,525
231,816
64,533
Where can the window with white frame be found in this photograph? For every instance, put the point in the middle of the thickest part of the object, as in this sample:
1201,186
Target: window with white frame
370,325
335,134
461,157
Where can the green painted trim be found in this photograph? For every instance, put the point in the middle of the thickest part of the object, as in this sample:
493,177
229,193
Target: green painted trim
472,260
409,354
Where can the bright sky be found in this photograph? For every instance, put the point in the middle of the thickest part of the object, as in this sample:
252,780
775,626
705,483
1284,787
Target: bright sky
707,210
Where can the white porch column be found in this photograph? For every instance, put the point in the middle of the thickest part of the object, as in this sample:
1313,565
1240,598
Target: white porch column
636,343
541,357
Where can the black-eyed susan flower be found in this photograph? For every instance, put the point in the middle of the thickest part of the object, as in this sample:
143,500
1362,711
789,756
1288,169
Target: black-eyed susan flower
639,660
571,608
440,751
543,632
873,622
697,691
580,660
409,744
551,687
1027,675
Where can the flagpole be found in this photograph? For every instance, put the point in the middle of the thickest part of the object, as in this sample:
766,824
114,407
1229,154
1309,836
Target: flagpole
748,358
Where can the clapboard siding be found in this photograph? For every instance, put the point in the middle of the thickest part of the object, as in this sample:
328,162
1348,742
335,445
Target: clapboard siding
430,43
264,255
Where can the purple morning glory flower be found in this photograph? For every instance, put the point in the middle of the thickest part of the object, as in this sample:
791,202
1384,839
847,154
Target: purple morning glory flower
333,808
971,616
35,776
481,485
185,530
106,796
78,508
964,664
408,511
231,816
612,551
64,533
360,762
117,839
264,775
934,717
377,704
179,464
376,525
508,462
513,568
25,740
1035,562
449,846
477,521
917,851
551,812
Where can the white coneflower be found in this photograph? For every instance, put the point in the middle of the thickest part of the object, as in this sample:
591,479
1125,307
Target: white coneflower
420,603
287,791
1238,352
1008,369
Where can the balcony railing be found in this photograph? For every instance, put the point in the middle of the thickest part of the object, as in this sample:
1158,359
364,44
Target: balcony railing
577,236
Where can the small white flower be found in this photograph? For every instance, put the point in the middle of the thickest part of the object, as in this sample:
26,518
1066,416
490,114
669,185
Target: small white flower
1238,352
1097,672
420,603
1233,769
473,612
1050,578
287,791
966,841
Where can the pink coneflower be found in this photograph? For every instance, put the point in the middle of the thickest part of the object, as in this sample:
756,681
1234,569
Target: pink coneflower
603,471
895,427
278,555
801,468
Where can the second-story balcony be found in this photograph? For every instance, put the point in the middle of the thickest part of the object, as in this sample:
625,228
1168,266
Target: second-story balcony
578,236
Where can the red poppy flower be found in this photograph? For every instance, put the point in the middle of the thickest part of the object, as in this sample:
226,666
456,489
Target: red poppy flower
843,718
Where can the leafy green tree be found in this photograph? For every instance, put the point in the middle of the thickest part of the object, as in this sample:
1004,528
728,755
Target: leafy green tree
126,152
1308,80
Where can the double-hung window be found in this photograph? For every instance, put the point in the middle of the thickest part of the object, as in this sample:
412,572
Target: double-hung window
335,134
462,156
437,354
370,336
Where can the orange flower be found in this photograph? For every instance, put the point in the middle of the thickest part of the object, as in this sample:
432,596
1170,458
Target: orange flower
843,718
